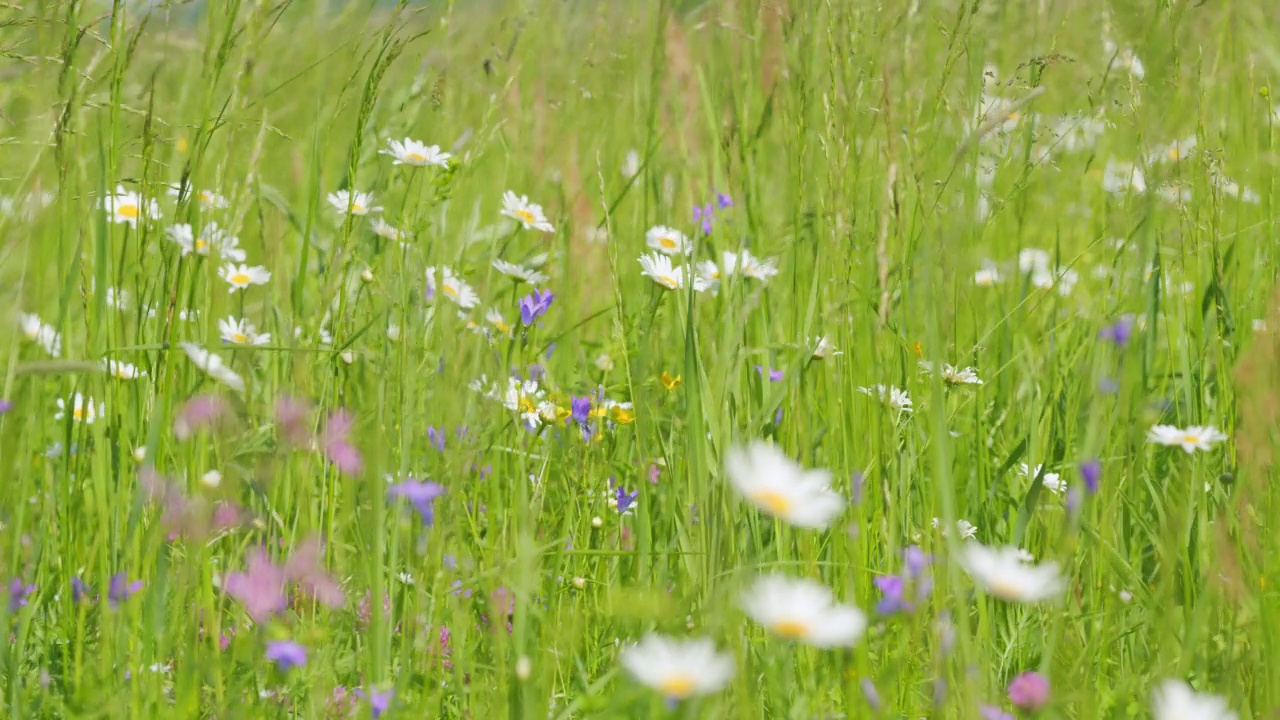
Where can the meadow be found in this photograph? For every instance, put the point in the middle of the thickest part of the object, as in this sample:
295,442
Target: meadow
806,359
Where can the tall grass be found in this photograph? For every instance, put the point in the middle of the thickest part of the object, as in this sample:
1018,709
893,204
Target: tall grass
883,153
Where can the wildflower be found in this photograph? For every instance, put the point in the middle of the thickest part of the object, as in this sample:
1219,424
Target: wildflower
303,568
119,589
291,417
528,214
353,203
751,266
213,365
242,276
212,239
38,332
668,241
383,229
519,273
624,501
580,409
260,588
986,277
1029,691
704,214
208,199
803,610
196,413
534,306
79,590
83,409
499,323
241,332
1231,188
5,406
122,370
1004,573
1051,481
659,269
669,382
1173,152
774,375
991,712
1091,473
964,527
823,348
451,286
893,591
1190,440
1120,177
523,398
772,482
379,701
893,397
286,654
1176,700
19,591
421,495
412,152
621,413
678,669
631,164
723,201
952,375
1123,59
129,207
1119,333
337,448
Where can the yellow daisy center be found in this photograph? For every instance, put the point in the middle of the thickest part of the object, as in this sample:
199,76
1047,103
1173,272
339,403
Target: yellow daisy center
562,413
240,279
204,196
450,290
525,216
1190,439
773,501
501,325
415,157
128,210
668,243
676,686
201,244
1004,589
77,413
526,405
357,208
122,373
239,338
1173,153
791,629
668,281
622,416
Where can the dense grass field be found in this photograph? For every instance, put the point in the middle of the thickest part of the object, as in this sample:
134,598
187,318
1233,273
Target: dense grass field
562,359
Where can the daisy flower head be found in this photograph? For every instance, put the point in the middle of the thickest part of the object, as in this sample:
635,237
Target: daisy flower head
347,202
1176,700
523,397
213,365
1051,480
660,269
126,206
678,669
668,240
242,276
208,199
520,273
1005,573
384,229
1121,177
499,323
754,267
771,481
122,370
824,348
892,396
1175,151
412,152
241,332
37,331
804,611
212,239
952,375
966,529
1124,59
1191,439
529,215
987,276
709,273
82,409
447,283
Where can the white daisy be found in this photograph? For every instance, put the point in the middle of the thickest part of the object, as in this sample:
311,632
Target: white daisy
1034,260
129,207
1191,439
83,409
986,276
528,214
893,397
353,203
803,610
953,375
207,198
1120,177
117,298
1003,573
412,152
1176,700
965,528
754,267
1231,188
668,240
242,276
499,323
213,365
212,239
823,348
659,269
520,272
523,397
40,333
1173,152
1052,482
122,370
768,479
452,287
1123,59
241,332
383,229
678,669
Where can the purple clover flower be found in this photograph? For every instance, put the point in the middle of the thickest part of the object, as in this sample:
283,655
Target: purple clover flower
1029,691
421,495
534,306
340,451
198,412
286,654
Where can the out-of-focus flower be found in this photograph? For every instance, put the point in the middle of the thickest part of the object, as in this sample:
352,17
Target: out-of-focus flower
412,152
1004,573
213,365
1029,691
291,419
1176,700
1091,473
119,589
678,669
286,654
379,700
668,240
421,495
336,445
1191,439
534,306
1118,333
803,610
346,202
129,207
196,413
772,482
529,215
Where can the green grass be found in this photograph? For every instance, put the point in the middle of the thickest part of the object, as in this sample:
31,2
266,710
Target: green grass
842,131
